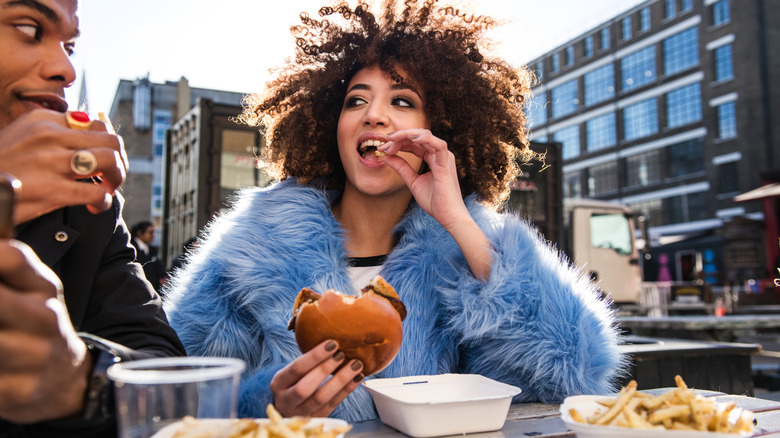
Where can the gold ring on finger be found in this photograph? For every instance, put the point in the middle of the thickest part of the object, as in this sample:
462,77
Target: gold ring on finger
83,163
77,120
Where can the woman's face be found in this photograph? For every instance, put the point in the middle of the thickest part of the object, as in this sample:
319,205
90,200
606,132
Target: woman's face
374,106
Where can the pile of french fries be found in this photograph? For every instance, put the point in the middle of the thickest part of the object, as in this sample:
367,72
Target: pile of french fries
676,409
277,427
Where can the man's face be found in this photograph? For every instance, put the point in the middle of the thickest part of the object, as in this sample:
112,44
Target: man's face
37,38
147,235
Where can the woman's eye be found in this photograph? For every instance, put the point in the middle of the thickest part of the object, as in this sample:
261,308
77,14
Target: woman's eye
354,101
30,30
404,102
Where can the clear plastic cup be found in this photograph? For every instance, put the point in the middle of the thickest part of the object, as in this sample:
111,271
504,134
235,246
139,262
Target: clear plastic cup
153,393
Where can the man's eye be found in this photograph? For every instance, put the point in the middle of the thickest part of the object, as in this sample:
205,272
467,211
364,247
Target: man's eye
70,48
30,30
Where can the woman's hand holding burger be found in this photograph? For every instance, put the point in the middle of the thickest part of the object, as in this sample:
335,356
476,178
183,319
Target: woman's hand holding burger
299,390
348,337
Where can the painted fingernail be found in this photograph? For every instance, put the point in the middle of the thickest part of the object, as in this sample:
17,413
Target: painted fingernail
330,346
339,356
358,378
356,365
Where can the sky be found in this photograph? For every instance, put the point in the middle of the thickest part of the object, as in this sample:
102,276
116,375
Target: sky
231,44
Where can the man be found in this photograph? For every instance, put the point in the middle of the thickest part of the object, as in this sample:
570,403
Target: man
145,254
53,356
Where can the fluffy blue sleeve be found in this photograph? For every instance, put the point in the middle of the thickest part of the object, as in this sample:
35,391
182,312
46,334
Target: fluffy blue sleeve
537,323
233,298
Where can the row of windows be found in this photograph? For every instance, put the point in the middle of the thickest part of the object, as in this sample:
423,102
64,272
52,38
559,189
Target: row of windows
720,13
670,7
673,210
683,107
636,70
652,168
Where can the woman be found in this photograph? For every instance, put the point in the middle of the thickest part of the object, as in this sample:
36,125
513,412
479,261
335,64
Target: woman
484,293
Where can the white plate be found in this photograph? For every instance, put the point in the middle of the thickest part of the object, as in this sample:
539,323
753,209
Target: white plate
587,405
220,427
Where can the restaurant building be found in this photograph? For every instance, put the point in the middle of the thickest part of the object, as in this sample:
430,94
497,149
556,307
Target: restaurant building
672,108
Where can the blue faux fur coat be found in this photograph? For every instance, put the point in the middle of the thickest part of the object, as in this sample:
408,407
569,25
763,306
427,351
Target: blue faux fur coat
536,323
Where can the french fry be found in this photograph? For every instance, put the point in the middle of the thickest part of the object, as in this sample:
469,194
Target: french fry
277,427
677,409
623,397
576,416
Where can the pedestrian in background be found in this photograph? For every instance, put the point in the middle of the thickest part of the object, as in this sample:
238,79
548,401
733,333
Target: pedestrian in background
146,254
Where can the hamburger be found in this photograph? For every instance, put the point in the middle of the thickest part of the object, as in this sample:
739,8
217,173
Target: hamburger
367,327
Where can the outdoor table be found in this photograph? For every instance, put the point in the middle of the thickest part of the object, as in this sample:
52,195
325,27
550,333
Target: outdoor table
544,420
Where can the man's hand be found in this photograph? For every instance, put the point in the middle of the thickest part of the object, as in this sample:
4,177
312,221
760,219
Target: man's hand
44,366
37,149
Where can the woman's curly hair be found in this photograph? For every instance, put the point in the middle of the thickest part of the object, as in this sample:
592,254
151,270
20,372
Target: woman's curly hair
473,102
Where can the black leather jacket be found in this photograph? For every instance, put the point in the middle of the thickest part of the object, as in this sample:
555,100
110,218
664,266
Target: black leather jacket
106,294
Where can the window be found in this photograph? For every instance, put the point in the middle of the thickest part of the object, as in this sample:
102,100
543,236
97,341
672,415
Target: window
600,132
644,19
238,163
556,62
727,121
564,99
612,231
570,139
156,198
536,110
599,85
605,38
687,208
572,187
569,55
681,51
640,119
539,69
643,169
652,210
602,179
626,27
685,158
724,66
161,124
683,106
686,5
589,46
671,9
720,13
728,179
638,68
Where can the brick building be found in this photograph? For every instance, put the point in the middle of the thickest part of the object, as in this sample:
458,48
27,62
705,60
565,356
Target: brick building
671,108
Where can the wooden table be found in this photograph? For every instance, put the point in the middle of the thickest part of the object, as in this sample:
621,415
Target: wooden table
544,421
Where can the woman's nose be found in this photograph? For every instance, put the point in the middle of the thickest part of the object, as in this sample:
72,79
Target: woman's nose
375,114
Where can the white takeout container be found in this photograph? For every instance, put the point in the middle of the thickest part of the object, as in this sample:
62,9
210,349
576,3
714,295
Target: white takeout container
587,405
444,404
